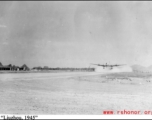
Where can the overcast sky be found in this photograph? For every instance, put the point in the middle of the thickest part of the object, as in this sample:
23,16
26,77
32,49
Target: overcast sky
75,33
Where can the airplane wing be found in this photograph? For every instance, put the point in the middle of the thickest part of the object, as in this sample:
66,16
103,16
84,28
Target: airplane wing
118,65
97,64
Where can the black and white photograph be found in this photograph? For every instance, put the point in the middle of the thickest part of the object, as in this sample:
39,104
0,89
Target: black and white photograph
75,58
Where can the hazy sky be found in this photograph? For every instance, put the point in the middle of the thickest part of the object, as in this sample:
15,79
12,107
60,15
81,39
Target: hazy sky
75,33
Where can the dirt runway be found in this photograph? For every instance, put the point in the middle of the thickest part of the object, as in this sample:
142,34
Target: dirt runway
71,93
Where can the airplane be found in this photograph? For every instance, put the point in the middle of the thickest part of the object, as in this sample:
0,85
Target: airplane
106,65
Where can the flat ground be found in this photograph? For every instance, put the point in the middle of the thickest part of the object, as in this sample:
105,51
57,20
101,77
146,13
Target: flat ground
74,93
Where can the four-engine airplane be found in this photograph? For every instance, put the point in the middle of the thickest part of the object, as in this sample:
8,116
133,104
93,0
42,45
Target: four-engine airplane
106,65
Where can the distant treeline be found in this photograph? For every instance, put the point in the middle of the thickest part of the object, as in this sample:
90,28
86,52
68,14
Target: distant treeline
66,69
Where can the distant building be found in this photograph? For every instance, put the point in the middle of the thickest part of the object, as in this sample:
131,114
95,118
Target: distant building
13,67
24,68
5,68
